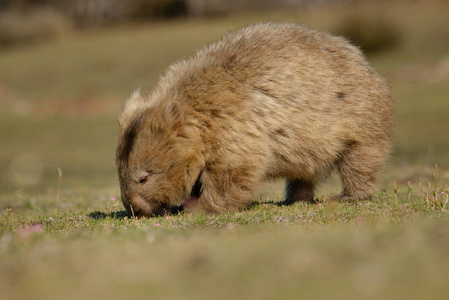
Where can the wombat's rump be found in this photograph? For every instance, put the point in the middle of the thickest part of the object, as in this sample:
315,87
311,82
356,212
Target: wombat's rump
266,101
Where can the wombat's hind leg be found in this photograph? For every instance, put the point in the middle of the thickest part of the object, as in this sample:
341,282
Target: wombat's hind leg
298,190
359,169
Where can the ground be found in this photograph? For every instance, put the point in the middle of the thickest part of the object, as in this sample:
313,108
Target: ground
67,235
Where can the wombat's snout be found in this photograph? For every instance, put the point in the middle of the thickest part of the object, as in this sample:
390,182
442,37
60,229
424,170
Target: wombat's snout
137,206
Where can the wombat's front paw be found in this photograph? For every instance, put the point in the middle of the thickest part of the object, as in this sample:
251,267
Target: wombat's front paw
288,202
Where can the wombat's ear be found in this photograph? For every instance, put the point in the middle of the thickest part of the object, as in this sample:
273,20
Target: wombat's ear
173,114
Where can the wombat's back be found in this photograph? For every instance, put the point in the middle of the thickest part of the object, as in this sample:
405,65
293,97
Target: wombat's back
298,94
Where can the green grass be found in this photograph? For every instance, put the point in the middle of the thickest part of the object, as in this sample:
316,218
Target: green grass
58,107
370,250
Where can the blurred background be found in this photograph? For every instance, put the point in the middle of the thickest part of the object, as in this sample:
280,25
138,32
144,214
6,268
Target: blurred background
67,66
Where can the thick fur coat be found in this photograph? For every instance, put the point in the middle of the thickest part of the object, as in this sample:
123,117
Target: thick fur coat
267,101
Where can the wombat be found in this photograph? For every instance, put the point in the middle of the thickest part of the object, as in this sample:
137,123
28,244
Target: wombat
266,101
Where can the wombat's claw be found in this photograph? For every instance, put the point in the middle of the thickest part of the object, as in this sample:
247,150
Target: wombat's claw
316,201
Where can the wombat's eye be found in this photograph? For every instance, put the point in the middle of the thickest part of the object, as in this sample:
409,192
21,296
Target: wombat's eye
143,179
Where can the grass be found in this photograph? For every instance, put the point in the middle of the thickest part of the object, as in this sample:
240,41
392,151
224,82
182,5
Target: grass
69,236
370,250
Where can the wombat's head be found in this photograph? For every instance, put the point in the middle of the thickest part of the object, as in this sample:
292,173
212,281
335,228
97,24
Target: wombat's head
158,155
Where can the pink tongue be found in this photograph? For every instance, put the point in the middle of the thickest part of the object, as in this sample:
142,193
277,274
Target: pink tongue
190,203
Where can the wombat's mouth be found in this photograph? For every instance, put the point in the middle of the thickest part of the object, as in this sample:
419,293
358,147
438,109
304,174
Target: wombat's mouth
192,200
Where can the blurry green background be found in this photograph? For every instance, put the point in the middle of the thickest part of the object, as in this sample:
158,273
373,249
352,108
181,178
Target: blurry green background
66,67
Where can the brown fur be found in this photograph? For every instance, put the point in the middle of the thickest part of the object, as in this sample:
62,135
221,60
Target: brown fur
267,101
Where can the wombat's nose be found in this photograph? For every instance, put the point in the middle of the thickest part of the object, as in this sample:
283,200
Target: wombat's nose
139,207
